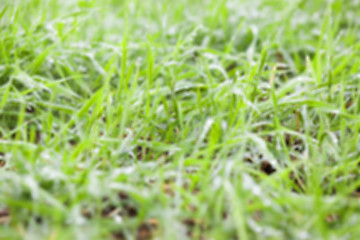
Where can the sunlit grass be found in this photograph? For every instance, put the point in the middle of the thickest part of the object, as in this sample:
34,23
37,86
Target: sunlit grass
205,119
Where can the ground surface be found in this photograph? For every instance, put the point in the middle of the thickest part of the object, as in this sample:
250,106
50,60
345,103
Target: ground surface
212,119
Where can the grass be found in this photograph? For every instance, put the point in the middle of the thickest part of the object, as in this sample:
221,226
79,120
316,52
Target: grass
202,119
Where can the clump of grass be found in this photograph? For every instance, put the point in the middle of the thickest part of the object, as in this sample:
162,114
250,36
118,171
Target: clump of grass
179,120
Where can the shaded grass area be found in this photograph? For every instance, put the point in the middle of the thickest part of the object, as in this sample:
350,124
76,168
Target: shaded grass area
201,119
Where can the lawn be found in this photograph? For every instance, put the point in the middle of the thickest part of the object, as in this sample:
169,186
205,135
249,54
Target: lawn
189,119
